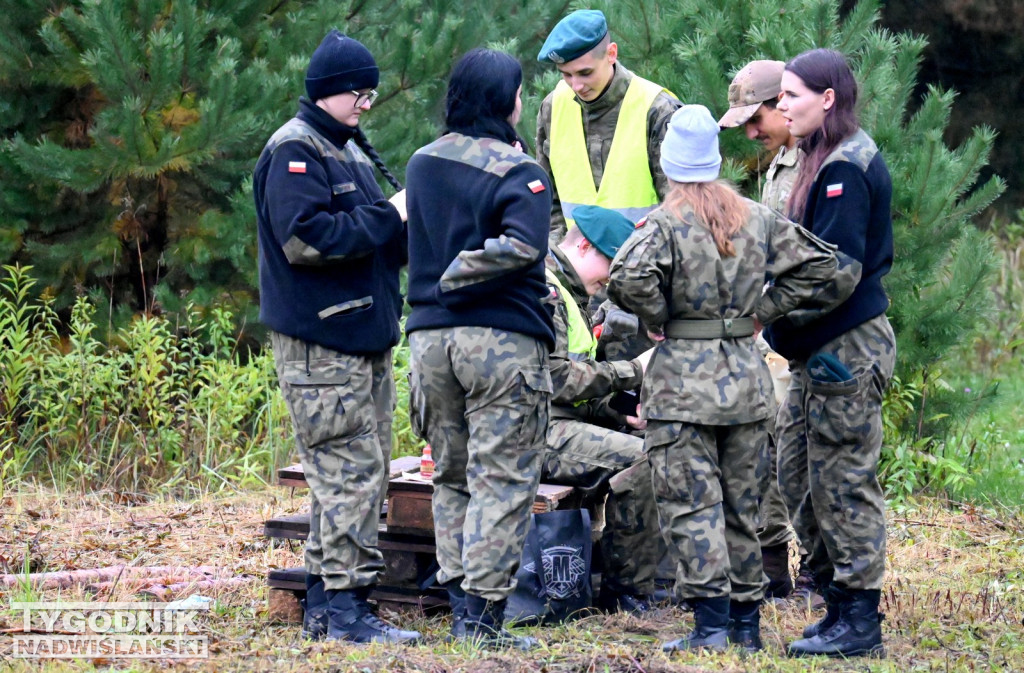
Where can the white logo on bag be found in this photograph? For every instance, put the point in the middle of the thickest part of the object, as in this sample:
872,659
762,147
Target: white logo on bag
563,568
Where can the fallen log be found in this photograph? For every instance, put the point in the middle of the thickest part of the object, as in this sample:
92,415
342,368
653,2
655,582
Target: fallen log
166,592
69,578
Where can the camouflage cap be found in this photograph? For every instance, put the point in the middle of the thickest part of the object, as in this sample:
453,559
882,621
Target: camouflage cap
757,82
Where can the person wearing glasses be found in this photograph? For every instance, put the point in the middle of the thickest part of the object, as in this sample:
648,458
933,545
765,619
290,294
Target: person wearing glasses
330,249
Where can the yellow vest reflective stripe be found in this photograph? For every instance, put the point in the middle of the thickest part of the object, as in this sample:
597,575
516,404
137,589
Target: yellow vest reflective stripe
626,184
581,342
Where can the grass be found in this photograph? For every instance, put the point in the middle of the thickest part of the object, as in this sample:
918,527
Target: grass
952,599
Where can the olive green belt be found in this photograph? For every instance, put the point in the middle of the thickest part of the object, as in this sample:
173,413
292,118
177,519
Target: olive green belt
729,328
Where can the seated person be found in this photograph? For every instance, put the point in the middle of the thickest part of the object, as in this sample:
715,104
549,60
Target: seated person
582,450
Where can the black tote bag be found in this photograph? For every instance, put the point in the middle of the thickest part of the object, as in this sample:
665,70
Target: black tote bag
553,580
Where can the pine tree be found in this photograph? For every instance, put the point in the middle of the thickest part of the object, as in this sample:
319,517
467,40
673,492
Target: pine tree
132,127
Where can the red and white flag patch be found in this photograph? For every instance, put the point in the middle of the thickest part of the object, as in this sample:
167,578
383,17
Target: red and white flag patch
296,166
536,186
832,191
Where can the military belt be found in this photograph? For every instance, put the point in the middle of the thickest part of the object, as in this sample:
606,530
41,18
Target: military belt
729,328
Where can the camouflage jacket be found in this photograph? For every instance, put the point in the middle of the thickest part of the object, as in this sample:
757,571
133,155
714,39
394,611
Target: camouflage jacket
599,119
780,178
577,380
670,269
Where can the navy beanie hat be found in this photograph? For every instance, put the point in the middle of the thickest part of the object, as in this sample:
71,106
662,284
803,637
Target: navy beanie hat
340,64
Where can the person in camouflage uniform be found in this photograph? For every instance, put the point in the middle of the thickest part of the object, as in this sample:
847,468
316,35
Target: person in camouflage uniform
479,336
330,248
584,448
753,95
695,274
595,86
830,425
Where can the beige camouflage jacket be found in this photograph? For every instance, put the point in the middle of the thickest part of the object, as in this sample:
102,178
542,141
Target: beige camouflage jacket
579,382
599,119
780,178
670,269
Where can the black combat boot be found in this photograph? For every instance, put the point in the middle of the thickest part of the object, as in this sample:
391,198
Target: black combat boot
314,609
805,589
457,602
857,632
776,566
710,626
834,597
614,598
745,625
483,626
350,618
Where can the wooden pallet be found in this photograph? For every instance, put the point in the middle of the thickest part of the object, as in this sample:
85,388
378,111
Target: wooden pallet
405,538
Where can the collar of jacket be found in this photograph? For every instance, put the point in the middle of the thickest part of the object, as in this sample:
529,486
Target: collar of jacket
559,264
612,95
325,124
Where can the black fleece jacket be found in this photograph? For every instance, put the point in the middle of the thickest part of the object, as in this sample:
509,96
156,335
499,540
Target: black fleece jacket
330,244
478,230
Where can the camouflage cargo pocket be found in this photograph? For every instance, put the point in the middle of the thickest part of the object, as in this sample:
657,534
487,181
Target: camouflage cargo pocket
317,402
532,392
837,412
672,477
417,407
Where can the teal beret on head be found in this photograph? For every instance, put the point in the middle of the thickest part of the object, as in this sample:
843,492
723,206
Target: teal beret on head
606,229
574,36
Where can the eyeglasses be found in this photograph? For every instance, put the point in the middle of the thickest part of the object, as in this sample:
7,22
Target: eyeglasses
364,97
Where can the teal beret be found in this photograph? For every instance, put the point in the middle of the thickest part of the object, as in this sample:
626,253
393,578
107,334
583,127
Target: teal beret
606,230
574,36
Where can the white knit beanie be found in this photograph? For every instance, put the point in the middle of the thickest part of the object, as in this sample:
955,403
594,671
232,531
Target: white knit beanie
689,152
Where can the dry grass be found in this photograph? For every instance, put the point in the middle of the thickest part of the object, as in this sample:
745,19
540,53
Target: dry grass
953,595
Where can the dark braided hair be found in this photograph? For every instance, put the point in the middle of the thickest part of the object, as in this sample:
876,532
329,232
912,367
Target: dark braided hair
366,147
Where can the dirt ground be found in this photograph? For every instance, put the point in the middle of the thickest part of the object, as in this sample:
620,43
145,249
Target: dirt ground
952,598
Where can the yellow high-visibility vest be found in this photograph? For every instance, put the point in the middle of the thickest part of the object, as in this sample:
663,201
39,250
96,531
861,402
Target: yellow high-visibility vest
626,184
582,343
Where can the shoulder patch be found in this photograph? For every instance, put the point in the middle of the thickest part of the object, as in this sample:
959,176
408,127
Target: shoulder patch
832,191
536,186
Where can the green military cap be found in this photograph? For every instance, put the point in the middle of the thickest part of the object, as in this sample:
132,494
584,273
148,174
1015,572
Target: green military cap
607,230
574,36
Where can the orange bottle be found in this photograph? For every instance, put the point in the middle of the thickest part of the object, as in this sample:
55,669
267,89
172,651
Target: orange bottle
426,463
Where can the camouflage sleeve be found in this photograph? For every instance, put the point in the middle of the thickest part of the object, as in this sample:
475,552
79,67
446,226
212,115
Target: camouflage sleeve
521,243
543,153
658,116
578,379
310,229
809,277
639,272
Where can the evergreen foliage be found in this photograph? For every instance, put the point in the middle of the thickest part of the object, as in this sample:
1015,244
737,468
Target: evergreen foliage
131,128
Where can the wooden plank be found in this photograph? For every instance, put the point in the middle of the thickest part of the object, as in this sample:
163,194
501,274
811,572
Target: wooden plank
293,476
293,527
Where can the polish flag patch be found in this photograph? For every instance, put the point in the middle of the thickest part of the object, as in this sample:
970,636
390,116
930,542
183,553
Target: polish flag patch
835,190
296,166
642,222
536,186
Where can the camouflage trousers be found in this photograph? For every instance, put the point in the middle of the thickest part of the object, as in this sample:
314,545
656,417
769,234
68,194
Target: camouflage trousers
341,407
595,460
481,398
707,483
830,441
774,517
